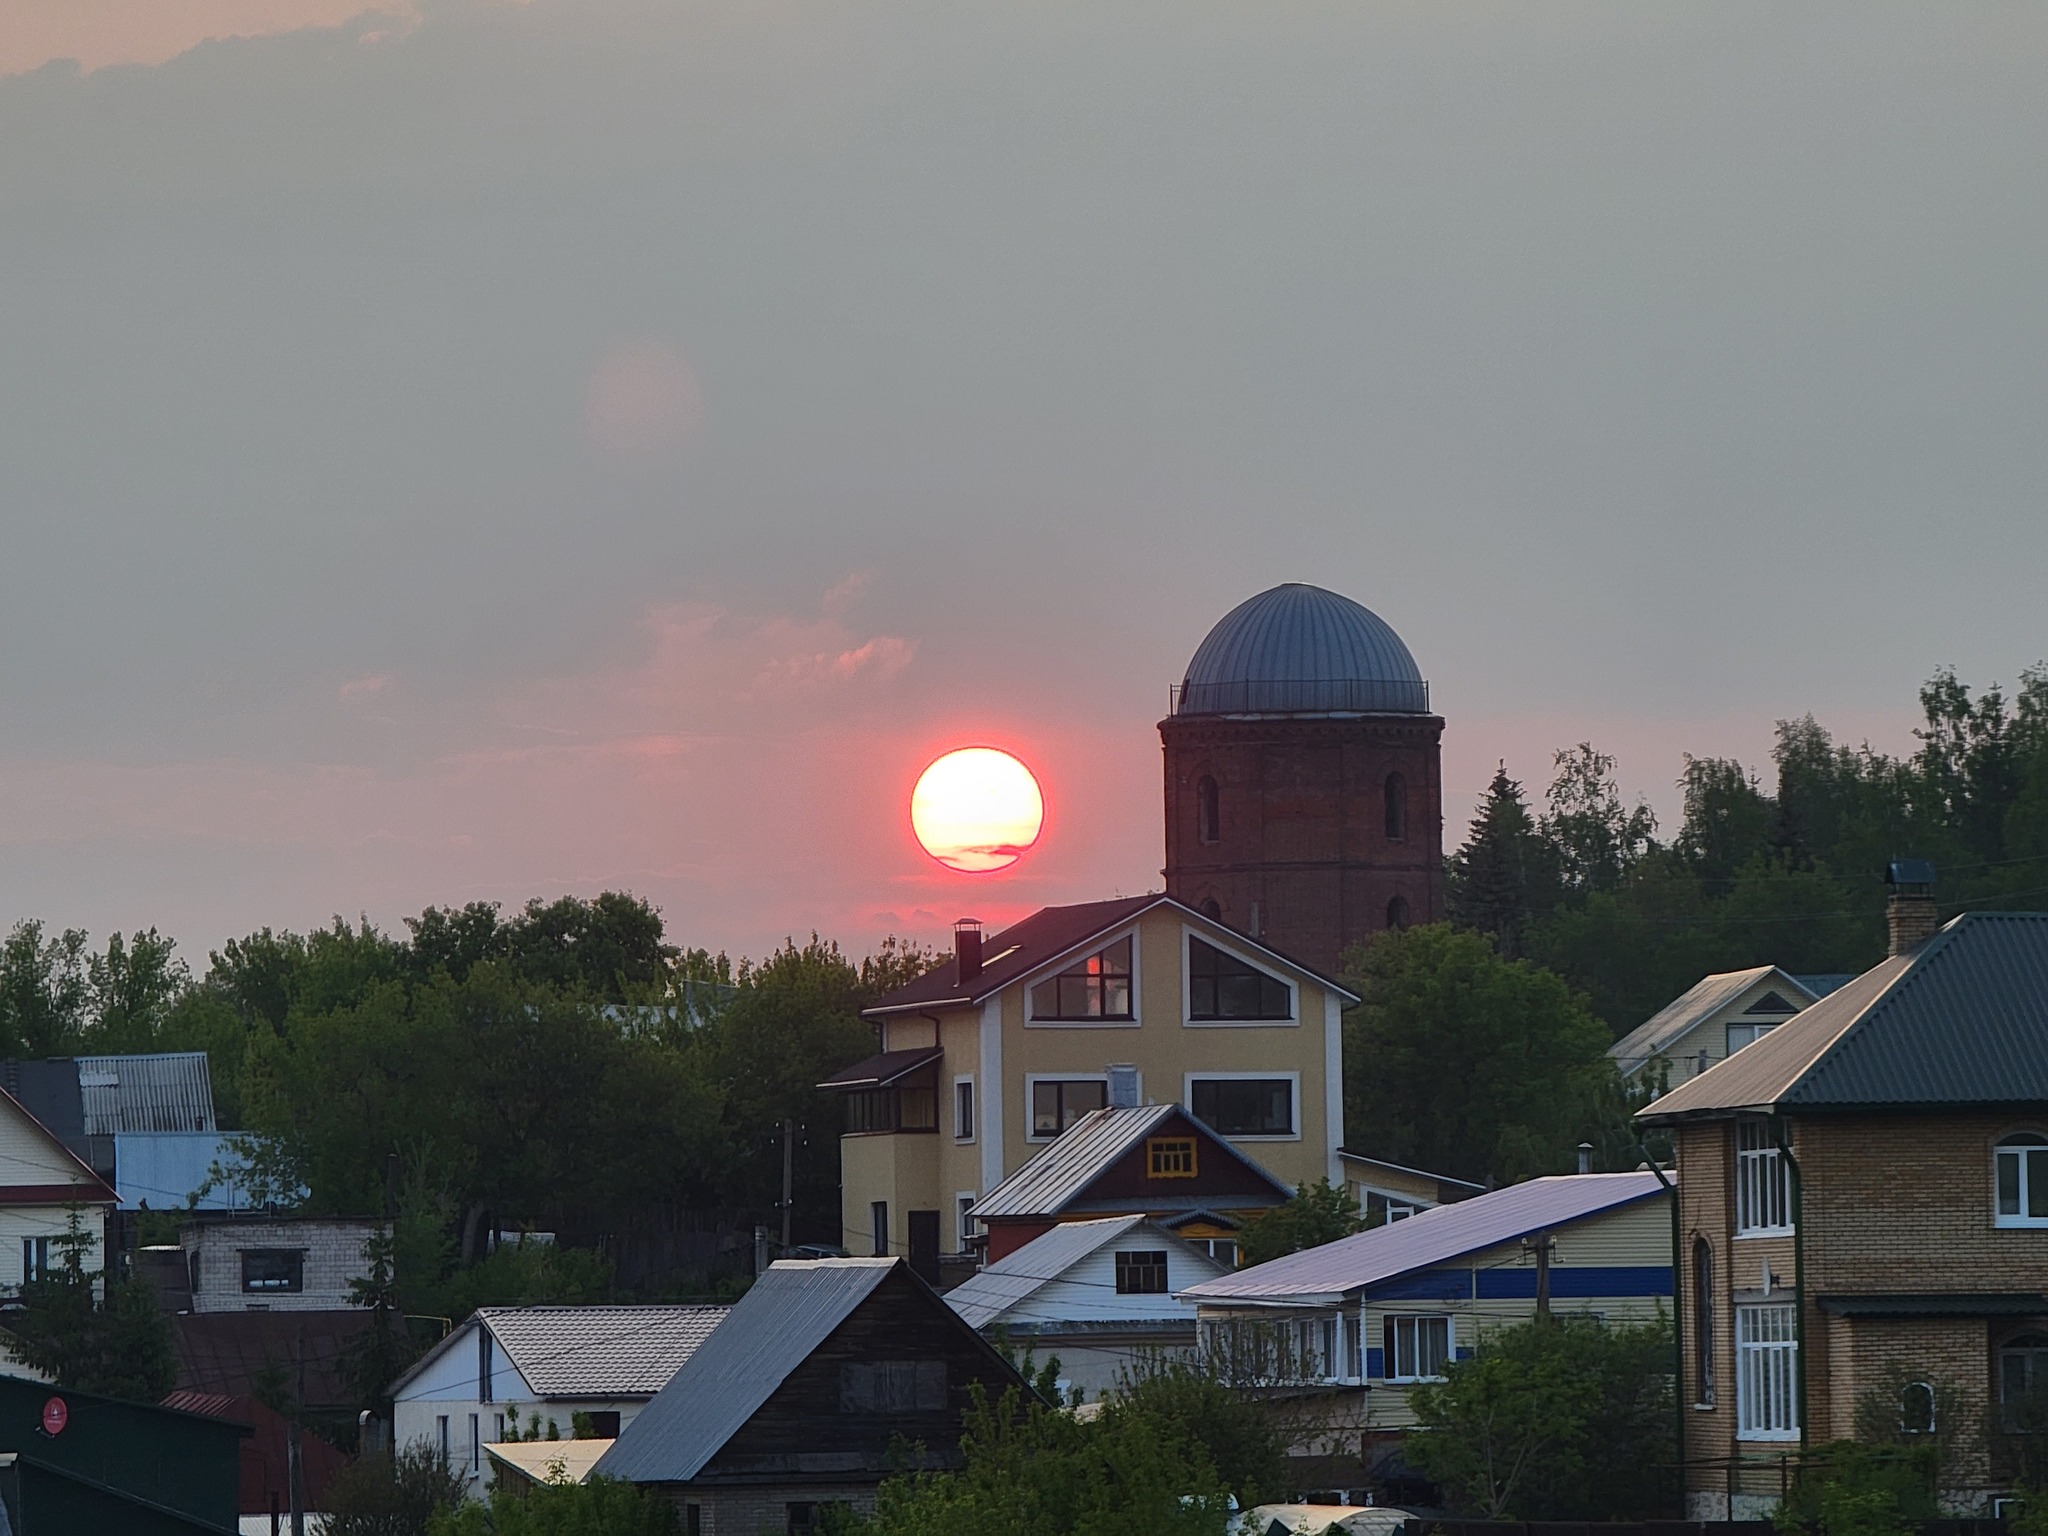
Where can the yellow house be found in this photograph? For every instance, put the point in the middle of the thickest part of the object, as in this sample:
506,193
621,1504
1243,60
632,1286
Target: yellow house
986,1059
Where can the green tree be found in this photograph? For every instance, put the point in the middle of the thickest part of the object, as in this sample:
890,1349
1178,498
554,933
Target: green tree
133,987
400,1495
45,989
1558,1419
1848,1488
1595,839
1728,821
1504,875
1318,1213
1460,1061
91,1331
1206,1422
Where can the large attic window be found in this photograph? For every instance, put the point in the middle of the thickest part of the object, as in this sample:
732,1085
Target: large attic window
1222,987
1098,987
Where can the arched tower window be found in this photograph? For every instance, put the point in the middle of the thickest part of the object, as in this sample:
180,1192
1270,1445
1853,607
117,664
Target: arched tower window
1397,912
1397,808
1208,818
1703,1321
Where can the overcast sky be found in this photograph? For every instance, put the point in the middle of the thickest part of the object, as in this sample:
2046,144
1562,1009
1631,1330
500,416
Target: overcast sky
473,450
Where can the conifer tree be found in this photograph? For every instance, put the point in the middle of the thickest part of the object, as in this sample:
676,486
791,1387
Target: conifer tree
1496,881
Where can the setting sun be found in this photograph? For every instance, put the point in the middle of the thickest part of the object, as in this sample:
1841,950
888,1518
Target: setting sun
977,809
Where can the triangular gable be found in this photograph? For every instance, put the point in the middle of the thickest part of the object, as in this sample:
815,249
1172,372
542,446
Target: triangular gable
40,1169
1772,1002
1222,1176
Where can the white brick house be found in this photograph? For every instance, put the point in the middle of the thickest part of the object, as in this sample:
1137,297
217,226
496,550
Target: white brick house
275,1263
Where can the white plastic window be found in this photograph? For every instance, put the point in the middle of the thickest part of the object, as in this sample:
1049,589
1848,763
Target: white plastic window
1766,1373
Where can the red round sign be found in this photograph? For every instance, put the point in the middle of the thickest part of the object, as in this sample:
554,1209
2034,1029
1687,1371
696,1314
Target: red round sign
55,1416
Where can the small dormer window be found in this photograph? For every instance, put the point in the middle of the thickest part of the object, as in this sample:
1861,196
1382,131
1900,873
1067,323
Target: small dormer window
1221,986
1098,987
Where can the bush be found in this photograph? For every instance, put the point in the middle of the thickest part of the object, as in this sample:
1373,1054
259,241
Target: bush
600,1507
387,1496
1851,1489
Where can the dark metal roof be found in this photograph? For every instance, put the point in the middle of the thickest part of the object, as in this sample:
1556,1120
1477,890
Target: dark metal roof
1956,1304
1961,1021
790,1310
1298,649
1047,935
880,1071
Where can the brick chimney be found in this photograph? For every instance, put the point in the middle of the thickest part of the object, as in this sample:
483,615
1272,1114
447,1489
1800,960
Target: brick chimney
1910,918
967,949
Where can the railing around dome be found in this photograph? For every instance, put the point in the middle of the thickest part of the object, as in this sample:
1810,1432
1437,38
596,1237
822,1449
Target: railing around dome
1343,696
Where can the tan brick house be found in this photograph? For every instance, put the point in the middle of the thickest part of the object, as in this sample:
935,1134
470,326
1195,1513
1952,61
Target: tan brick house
1863,1218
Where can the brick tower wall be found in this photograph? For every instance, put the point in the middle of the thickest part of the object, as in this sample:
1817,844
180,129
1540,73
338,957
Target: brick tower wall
1301,825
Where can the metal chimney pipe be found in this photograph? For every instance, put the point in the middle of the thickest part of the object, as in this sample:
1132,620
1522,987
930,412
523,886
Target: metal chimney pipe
967,949
1585,1157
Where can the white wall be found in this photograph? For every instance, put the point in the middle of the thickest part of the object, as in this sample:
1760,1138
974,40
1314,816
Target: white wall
46,1221
334,1255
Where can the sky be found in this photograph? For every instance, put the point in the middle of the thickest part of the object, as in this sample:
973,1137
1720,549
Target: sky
463,450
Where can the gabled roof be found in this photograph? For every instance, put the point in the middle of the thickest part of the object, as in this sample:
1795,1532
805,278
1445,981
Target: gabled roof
1960,1021
1061,1174
576,1352
988,1293
1431,1238
167,1091
1696,1005
790,1310
20,1186
1417,1173
1049,934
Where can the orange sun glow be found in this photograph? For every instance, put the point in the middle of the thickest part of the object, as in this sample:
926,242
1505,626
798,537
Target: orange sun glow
977,809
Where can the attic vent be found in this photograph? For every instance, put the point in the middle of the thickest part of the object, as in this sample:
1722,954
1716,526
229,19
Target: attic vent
1771,1002
1123,1087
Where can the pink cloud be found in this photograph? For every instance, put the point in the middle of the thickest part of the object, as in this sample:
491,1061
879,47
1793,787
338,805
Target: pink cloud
101,33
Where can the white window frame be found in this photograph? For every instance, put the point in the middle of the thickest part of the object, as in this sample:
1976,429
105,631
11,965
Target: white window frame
1293,1079
1187,986
964,1200
1414,1320
968,1136
1031,1081
1763,1182
1082,951
1757,1028
1766,1371
476,1454
2018,1152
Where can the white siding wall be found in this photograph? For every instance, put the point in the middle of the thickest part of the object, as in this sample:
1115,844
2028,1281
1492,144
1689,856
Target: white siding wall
1087,1292
45,1221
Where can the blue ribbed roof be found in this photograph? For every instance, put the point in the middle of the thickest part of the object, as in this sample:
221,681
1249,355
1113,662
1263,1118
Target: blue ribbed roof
1298,649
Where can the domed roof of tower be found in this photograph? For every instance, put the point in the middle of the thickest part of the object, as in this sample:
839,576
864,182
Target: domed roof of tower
1300,650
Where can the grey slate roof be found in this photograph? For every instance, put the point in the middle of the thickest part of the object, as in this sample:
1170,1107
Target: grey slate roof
988,1293
1431,1238
1056,1177
1960,1021
790,1310
600,1351
172,1091
1701,1001
574,1352
1298,649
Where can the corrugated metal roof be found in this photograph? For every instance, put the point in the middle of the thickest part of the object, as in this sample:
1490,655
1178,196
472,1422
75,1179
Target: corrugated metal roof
1056,1177
790,1310
1431,1238
600,1351
1299,649
168,1092
1699,1002
1962,1020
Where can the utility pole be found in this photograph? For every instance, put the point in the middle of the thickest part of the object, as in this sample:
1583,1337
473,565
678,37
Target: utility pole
1542,1243
760,1250
295,1466
788,1164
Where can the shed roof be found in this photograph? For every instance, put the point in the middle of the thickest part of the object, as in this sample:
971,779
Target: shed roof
550,1461
880,1071
1418,1173
168,1091
1010,1281
579,1352
789,1311
1061,1174
1962,1020
1696,1005
1049,934
1432,1237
